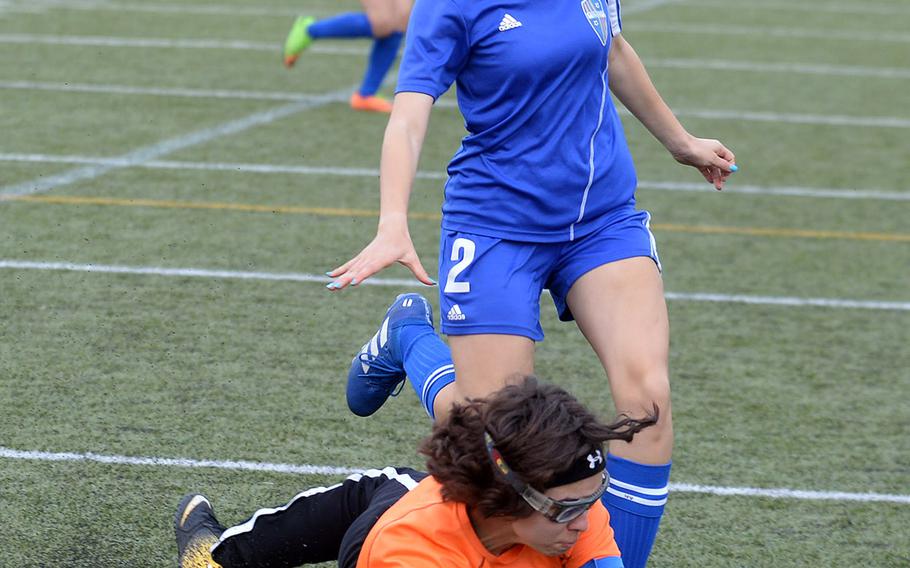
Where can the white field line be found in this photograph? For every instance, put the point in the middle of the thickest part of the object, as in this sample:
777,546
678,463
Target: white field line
783,191
752,116
220,10
780,67
791,118
862,8
655,27
647,5
176,462
835,303
196,273
155,8
789,301
811,192
159,91
671,63
766,32
307,469
148,153
782,493
14,7
141,42
210,166
214,9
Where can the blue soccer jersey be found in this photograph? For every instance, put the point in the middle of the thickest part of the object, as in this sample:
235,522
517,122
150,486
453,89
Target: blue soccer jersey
545,158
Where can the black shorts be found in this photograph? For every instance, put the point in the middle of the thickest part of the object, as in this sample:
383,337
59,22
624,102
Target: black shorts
318,525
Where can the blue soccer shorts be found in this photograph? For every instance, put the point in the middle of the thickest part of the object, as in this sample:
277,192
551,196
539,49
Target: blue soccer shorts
493,285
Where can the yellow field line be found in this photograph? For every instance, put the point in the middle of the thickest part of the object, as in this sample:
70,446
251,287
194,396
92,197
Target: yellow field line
172,204
342,212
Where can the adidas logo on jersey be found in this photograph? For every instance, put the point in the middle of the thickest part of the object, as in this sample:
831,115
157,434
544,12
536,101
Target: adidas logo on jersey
508,23
455,314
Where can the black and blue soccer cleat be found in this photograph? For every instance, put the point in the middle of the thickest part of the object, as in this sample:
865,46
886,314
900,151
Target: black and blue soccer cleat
378,369
197,530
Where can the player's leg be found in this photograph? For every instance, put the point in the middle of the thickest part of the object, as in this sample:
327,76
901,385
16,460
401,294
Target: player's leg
349,25
489,295
490,309
404,347
411,349
196,530
388,20
382,56
620,309
387,16
312,526
486,363
617,300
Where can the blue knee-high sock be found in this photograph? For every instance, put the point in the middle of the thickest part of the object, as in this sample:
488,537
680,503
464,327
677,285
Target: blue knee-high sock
381,59
635,499
351,25
428,362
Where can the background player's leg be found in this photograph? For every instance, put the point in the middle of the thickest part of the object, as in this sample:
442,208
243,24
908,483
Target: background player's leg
621,310
348,25
388,21
307,530
306,28
387,16
382,56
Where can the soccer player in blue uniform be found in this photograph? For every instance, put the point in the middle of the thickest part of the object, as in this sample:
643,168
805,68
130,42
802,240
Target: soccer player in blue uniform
382,20
540,196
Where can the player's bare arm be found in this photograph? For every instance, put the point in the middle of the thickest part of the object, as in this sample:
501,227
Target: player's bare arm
401,147
630,82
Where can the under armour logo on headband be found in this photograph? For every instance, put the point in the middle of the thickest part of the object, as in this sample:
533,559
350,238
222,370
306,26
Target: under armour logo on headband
594,459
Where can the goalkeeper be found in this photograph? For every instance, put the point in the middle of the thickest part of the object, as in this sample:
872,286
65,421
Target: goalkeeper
514,479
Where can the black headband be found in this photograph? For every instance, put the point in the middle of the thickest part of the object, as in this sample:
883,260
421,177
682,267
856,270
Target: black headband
587,465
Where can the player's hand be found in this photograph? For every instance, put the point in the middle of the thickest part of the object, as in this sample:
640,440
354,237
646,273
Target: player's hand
391,245
714,160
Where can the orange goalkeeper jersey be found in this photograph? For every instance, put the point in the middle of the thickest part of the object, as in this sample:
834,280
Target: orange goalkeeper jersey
422,530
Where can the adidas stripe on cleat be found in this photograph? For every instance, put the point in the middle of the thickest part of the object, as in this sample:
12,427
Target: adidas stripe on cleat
197,530
377,371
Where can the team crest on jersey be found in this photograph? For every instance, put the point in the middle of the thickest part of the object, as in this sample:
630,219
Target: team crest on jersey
597,17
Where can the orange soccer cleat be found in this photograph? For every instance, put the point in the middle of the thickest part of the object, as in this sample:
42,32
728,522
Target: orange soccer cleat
372,103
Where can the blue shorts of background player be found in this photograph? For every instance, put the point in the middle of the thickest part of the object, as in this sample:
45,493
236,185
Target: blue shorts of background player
493,286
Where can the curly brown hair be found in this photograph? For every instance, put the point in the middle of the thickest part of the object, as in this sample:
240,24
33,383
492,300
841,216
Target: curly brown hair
540,430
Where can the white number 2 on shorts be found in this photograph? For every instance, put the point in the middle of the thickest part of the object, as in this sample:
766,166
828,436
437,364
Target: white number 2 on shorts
463,249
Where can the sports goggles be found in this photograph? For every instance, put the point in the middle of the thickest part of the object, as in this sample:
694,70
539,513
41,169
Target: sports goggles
557,510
